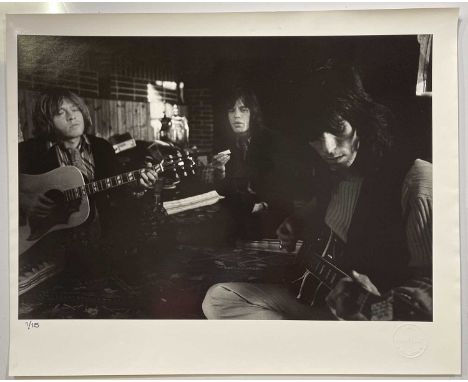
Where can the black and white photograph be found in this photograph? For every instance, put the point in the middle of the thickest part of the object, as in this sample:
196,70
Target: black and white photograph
234,193
247,178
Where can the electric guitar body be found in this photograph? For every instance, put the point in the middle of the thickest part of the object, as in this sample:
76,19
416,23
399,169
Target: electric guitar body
322,261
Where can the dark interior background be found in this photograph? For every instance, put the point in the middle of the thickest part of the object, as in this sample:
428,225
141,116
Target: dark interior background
165,282
270,65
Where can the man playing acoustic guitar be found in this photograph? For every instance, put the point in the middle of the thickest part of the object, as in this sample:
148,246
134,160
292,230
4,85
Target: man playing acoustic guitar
367,253
61,122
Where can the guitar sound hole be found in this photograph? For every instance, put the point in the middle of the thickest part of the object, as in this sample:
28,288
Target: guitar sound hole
59,214
57,196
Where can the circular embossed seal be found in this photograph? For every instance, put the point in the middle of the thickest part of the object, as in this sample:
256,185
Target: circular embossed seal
409,341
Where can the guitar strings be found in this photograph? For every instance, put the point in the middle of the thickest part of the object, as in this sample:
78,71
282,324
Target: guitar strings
75,193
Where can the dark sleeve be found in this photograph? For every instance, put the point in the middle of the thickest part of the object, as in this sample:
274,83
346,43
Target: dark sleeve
267,170
107,164
34,158
105,159
111,203
235,188
26,154
22,158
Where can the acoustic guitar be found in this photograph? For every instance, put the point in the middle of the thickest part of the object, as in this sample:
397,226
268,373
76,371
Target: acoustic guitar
67,188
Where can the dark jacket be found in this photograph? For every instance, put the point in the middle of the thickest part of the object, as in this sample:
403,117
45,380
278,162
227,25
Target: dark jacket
254,176
258,175
377,244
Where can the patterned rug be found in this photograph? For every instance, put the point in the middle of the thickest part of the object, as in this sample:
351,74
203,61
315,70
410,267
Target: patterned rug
161,279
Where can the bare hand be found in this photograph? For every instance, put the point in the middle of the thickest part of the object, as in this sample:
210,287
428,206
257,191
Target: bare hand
343,300
148,176
259,207
219,161
36,205
288,233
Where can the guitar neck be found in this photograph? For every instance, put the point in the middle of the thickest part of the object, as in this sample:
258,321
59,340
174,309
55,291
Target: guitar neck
108,183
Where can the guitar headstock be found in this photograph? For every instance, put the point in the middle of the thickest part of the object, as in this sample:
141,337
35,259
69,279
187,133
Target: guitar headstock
179,166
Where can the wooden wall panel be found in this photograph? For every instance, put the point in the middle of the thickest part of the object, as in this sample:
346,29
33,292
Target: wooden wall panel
26,103
109,117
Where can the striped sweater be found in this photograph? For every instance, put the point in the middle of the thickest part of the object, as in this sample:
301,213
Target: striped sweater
416,204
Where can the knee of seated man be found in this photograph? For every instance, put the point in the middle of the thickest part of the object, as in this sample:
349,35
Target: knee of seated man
211,303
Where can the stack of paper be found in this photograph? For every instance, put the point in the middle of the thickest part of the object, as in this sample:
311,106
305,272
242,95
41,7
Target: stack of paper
267,245
192,202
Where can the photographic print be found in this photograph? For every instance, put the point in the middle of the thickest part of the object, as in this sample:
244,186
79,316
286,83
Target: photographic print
208,190
312,153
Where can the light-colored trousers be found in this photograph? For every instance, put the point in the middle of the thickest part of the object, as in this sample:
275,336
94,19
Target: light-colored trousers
251,301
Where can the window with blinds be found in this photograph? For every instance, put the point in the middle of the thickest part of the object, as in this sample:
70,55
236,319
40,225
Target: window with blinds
136,89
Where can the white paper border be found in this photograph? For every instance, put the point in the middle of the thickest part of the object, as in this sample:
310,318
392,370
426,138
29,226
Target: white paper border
261,347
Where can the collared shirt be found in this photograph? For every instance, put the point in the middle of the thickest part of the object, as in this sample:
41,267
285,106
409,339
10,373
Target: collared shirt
64,157
87,234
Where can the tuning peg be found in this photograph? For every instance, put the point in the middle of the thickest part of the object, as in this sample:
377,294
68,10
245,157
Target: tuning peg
191,165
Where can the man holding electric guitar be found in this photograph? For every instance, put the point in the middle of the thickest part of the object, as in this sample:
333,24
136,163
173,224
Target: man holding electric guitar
367,252
52,193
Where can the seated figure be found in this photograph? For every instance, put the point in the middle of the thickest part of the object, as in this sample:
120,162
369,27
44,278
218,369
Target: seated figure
368,228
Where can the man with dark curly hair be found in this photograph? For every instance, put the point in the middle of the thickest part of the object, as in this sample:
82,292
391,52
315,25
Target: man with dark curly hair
368,228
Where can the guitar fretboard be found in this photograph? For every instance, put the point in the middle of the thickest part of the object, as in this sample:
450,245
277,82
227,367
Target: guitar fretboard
109,183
